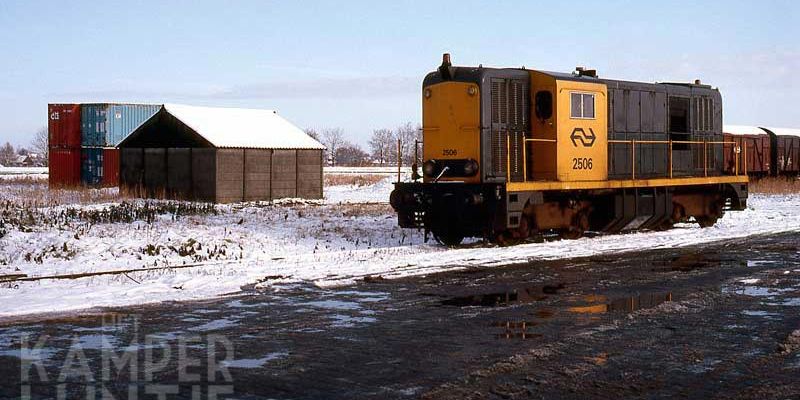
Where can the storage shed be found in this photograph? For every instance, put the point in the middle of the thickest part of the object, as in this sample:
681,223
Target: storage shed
220,155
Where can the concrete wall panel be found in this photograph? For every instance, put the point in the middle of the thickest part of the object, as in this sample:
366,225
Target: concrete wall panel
155,172
309,174
284,174
179,173
204,178
230,175
257,172
131,174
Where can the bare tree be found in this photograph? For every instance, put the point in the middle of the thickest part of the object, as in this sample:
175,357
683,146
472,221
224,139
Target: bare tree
408,133
382,144
7,154
40,144
351,155
333,139
312,132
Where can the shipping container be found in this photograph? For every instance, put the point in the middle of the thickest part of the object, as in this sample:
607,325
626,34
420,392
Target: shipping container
65,167
91,166
110,167
64,125
106,125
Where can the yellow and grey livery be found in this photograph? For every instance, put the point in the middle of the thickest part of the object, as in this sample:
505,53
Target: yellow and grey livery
511,152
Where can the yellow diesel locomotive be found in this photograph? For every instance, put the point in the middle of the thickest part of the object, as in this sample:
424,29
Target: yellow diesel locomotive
512,152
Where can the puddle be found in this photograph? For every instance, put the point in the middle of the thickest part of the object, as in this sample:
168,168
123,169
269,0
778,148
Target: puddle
215,325
759,313
252,363
95,342
240,304
347,321
515,330
334,304
367,297
31,354
755,291
625,304
502,299
686,263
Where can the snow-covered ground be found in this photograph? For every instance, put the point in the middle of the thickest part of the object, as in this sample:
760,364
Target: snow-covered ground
27,172
351,234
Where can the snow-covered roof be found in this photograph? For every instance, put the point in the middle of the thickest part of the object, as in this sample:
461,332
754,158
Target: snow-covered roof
243,128
743,130
784,131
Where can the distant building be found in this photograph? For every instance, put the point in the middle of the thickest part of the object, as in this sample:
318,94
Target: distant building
29,160
220,155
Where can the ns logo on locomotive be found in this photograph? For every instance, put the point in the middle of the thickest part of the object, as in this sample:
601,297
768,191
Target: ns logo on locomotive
514,152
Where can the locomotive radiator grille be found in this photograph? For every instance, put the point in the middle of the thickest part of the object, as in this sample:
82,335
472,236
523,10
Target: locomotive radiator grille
509,108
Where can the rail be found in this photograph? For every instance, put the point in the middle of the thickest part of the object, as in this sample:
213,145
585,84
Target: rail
740,151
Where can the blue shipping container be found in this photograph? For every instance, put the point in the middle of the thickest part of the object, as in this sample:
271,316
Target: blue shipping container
91,166
106,125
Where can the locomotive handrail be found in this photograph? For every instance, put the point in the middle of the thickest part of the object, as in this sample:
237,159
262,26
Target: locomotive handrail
705,144
739,151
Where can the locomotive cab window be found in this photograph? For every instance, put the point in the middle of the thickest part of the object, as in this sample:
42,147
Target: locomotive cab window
582,105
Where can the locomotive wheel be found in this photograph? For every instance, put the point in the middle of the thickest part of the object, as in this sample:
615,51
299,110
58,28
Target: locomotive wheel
707,221
580,224
448,237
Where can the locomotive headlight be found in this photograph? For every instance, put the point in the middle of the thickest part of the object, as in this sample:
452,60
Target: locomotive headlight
471,91
427,93
470,168
429,168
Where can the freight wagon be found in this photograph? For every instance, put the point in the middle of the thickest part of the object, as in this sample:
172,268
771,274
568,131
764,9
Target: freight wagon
514,152
769,151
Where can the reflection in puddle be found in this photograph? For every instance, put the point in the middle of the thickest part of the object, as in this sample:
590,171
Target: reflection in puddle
347,321
685,263
516,330
215,325
759,313
626,304
516,296
249,363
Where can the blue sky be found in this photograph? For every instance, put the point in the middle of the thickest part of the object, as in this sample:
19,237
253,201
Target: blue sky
358,65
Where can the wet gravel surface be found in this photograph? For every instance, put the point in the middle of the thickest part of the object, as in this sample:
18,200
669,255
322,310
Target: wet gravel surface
717,321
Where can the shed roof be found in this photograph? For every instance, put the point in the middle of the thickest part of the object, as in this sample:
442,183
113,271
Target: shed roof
743,130
243,128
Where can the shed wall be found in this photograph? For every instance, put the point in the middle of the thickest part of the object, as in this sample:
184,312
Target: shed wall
257,175
131,164
204,170
230,175
155,172
309,174
284,173
179,173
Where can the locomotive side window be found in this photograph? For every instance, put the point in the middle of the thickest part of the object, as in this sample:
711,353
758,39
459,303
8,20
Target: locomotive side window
582,105
544,104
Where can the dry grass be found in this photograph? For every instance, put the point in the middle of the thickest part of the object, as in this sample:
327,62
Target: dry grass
775,186
352,179
35,194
